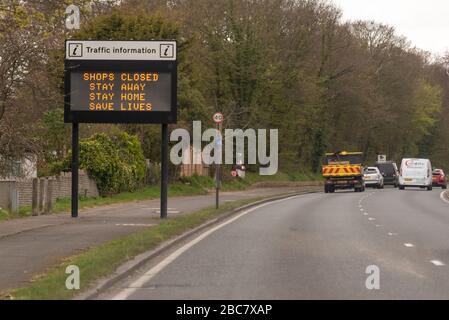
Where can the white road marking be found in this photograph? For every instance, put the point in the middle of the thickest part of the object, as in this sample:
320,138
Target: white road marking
365,213
442,197
392,234
409,245
168,211
125,293
134,224
371,219
378,225
361,209
438,263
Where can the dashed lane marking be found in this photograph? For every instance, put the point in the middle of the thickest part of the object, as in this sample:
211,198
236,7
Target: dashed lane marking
409,245
438,263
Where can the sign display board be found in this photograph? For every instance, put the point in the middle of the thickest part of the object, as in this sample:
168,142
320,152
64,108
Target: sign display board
120,81
381,158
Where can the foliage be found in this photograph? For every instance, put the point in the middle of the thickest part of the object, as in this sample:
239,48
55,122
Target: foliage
55,136
117,163
291,65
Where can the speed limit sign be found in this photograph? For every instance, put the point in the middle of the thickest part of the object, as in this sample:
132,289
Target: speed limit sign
218,117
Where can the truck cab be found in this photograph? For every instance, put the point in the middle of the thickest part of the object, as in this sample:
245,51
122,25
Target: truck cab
343,170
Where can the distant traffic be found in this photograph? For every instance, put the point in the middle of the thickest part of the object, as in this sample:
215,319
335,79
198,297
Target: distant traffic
345,170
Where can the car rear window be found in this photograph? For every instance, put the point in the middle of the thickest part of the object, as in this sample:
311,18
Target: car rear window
386,168
370,171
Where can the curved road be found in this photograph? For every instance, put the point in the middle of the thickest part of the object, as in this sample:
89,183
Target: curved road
314,246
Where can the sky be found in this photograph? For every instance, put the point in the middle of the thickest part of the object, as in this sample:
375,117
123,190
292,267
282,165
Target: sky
424,22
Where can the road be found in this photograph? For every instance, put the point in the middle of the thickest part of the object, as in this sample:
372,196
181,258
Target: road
315,246
31,245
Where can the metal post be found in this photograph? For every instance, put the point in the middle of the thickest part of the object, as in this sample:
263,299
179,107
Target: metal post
217,173
75,137
217,187
164,171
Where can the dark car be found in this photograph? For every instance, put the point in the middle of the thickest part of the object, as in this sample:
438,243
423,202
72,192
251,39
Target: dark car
439,179
390,172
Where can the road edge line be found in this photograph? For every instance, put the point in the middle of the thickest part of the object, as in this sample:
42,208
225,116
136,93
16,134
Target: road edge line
444,195
137,262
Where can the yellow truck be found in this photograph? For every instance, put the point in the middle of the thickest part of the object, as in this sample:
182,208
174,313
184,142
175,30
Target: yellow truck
343,170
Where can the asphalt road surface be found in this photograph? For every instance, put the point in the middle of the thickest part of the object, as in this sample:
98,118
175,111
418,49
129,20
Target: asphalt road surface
315,246
31,245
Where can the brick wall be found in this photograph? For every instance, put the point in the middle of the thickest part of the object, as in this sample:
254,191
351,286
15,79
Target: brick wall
62,187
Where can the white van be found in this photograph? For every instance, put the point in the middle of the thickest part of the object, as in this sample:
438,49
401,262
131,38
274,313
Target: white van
415,173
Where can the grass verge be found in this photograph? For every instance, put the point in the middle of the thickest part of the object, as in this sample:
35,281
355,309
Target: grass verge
102,260
252,178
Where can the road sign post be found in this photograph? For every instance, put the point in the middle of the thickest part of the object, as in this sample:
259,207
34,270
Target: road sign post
75,144
218,119
120,82
164,172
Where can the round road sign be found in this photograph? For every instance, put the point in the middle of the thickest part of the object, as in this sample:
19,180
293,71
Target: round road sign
218,117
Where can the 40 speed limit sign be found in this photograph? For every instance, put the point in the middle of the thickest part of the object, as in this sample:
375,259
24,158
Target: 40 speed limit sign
218,117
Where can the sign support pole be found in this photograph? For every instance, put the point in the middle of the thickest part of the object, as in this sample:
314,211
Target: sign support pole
164,171
217,174
75,153
217,186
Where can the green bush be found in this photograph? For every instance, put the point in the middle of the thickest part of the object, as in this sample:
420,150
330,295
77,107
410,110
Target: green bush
116,163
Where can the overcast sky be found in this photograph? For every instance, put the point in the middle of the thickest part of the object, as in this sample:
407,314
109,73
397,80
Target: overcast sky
424,22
